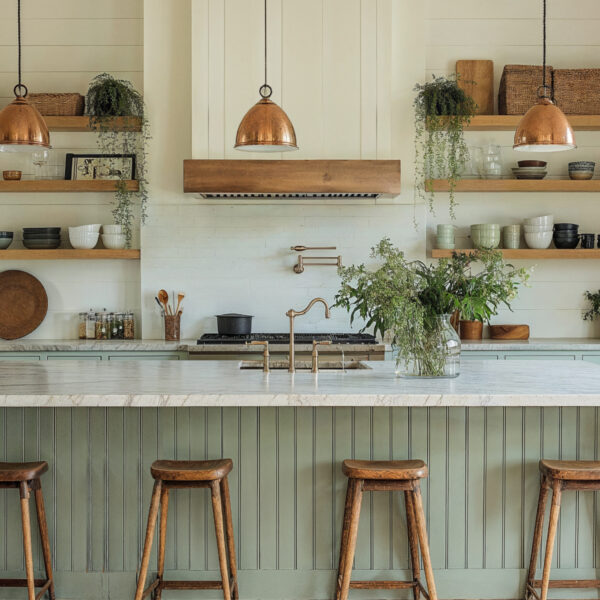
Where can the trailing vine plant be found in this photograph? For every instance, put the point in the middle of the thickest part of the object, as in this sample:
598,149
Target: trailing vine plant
442,110
594,311
107,98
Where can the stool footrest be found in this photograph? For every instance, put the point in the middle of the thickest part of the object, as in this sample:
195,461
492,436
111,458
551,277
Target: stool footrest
383,585
23,583
567,583
190,585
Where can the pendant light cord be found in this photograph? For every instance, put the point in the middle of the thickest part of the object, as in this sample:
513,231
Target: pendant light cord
544,44
19,88
265,89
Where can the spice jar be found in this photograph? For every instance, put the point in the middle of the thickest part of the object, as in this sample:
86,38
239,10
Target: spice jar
117,326
111,326
102,326
90,325
82,327
128,326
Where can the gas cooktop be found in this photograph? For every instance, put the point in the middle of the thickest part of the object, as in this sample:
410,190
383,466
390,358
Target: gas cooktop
284,338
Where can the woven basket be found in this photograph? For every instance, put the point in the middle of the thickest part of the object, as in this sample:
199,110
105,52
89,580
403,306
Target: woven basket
519,88
58,105
577,91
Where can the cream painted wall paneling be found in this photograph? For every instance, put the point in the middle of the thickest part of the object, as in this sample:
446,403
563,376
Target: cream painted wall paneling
509,9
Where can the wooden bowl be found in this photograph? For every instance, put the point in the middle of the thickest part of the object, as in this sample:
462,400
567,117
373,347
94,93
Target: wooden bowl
11,175
509,332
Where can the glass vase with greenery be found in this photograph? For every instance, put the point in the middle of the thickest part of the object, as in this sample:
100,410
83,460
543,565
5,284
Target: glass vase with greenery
107,98
442,110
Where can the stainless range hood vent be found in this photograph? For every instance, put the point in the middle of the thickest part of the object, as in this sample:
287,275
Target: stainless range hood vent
291,179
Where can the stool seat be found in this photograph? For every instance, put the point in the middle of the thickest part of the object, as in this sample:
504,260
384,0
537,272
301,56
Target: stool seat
191,470
384,469
571,470
24,471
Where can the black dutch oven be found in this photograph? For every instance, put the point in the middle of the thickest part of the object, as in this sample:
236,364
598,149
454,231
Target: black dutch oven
234,324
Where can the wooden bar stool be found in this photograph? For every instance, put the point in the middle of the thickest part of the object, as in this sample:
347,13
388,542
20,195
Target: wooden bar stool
380,476
183,474
26,477
558,475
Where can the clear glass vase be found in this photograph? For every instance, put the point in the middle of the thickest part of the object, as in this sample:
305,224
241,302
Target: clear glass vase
437,356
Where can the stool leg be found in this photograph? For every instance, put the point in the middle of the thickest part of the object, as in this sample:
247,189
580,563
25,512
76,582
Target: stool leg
423,542
220,532
537,532
151,526
26,524
162,537
41,515
351,525
230,539
413,541
554,512
344,536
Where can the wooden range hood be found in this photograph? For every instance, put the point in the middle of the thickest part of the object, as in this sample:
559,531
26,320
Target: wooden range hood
292,178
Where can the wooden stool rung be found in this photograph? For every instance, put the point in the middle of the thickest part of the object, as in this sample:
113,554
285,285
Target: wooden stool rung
23,582
568,583
383,585
43,590
191,585
423,590
151,588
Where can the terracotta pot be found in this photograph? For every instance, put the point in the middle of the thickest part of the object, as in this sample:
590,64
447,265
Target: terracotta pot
471,330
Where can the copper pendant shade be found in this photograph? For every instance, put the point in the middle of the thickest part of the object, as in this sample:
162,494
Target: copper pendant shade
22,128
544,128
266,128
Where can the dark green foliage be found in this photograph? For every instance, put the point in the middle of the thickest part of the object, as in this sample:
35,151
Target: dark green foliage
594,299
110,97
442,110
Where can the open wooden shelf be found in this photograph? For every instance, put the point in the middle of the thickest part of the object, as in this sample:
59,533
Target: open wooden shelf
528,253
83,124
510,122
64,253
517,185
64,185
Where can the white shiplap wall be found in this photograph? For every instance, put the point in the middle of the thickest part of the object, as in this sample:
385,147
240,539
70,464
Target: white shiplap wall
65,44
509,32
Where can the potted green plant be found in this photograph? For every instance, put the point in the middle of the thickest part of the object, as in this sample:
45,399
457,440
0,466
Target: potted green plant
593,311
442,110
108,98
481,294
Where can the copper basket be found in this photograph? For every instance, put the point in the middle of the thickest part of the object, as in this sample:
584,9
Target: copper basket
519,88
577,91
58,105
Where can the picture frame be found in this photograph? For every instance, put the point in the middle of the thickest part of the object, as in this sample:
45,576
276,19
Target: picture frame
89,167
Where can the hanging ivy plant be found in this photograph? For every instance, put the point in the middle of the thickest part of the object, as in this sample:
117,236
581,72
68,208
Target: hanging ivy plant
107,98
442,110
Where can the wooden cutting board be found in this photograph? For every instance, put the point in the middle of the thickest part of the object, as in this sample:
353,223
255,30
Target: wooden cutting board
477,80
23,304
509,332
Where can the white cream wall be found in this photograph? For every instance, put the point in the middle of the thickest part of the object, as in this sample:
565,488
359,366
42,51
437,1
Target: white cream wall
509,32
65,44
344,71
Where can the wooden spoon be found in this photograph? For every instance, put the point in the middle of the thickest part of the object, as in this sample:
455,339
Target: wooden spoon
180,298
163,296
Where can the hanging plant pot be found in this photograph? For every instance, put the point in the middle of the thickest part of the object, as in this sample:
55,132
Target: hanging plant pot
471,330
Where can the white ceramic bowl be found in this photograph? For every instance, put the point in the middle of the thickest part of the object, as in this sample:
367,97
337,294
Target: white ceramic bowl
82,240
113,241
112,229
88,228
536,228
539,240
547,220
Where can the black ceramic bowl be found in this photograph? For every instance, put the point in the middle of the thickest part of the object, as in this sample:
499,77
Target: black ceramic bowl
566,227
49,230
566,243
6,234
565,234
41,236
47,244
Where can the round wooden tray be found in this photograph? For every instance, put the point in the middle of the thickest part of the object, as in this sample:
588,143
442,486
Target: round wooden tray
23,304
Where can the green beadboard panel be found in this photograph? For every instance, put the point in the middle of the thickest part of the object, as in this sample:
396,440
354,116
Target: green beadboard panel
287,492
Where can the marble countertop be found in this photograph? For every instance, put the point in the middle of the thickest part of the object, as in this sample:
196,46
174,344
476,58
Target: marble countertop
34,345
221,383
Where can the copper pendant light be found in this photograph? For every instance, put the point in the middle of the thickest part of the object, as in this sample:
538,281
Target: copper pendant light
544,127
266,127
22,128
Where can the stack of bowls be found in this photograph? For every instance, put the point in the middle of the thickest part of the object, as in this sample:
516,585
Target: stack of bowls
566,235
581,169
538,231
41,238
485,235
511,236
530,169
113,237
6,238
445,237
84,237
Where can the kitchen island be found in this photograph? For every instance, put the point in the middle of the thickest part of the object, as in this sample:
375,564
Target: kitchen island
100,426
